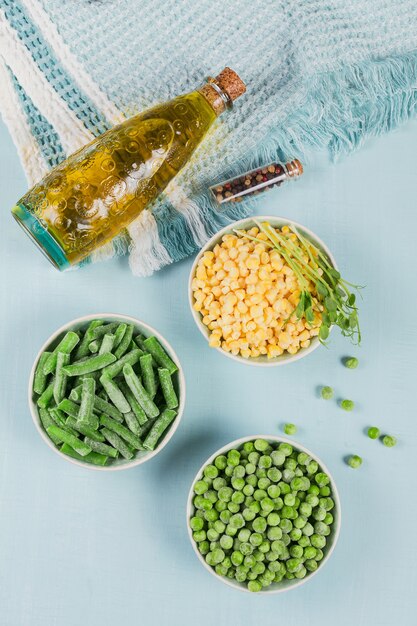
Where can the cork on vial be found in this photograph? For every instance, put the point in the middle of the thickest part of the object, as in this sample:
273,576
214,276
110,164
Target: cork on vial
229,83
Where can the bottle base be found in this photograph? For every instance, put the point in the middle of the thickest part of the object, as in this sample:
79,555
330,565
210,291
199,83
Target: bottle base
41,237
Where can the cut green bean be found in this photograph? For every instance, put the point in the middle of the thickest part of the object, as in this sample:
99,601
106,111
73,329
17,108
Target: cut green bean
76,444
39,380
92,364
115,395
132,423
116,368
102,406
67,344
101,448
94,346
105,329
93,457
135,406
85,414
83,429
167,388
58,418
82,350
69,407
46,421
122,431
140,342
106,344
75,393
118,443
119,334
46,397
148,374
153,346
125,342
60,381
140,393
157,430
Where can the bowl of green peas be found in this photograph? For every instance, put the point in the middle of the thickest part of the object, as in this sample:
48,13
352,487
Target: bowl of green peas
263,514
106,392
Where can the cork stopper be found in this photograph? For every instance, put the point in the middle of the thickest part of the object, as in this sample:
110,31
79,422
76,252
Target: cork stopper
294,168
220,92
230,83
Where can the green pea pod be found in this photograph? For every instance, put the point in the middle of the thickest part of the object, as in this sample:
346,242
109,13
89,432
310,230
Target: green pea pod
153,346
159,427
67,344
140,392
40,378
168,388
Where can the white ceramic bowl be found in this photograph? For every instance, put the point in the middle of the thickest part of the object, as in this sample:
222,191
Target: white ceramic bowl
261,361
284,585
81,322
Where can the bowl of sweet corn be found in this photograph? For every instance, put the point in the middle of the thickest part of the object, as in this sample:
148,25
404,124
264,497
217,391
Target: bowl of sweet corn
244,294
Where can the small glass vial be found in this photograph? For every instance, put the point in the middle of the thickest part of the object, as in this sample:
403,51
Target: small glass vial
254,182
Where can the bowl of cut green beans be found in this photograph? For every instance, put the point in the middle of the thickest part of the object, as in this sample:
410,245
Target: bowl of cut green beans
106,392
263,514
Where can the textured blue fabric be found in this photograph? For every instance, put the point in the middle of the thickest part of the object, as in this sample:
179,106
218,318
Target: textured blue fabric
320,74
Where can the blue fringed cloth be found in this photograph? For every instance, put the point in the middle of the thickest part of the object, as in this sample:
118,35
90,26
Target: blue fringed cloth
320,73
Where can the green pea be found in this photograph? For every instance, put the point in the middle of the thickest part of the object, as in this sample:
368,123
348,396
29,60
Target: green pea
354,461
290,429
196,523
226,542
212,535
322,479
373,432
296,534
389,441
347,405
233,457
327,393
233,507
259,524
200,487
273,533
318,541
199,535
211,471
273,519
254,585
261,445
350,362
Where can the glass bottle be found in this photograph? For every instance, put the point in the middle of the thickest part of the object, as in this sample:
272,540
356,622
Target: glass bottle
96,192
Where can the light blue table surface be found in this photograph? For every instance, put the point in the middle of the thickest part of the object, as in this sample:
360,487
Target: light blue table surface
83,547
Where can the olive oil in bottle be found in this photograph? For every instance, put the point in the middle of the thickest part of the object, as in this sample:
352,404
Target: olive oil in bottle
96,192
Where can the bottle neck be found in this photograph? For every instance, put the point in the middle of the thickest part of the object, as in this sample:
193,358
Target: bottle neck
218,98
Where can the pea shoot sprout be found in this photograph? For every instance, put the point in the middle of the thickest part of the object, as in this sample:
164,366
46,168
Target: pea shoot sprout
319,282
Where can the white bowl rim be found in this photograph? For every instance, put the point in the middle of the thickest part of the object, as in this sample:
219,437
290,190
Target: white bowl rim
335,495
139,324
276,361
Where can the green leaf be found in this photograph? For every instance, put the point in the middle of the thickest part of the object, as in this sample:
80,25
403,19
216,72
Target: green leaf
330,304
352,299
353,320
334,273
333,317
300,306
309,315
321,289
323,332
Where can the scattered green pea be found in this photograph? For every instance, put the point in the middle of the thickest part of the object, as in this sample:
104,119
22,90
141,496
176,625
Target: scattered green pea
347,405
327,393
351,362
373,432
354,461
389,441
290,429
